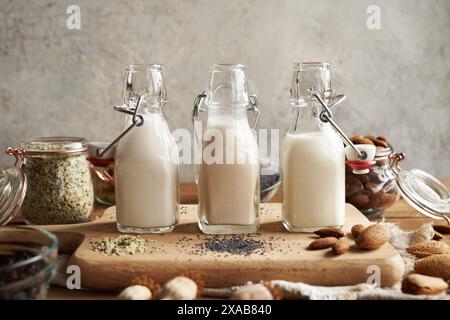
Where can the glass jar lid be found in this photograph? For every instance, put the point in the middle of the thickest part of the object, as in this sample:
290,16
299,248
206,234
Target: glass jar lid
13,186
422,191
54,145
383,153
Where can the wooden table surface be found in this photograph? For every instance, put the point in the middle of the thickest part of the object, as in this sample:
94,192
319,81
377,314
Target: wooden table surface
400,213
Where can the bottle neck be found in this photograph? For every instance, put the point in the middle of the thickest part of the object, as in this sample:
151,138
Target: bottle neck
148,114
144,83
306,119
227,85
231,110
145,110
228,117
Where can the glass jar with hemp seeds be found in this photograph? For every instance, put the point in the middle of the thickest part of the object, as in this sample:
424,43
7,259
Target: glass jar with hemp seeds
59,188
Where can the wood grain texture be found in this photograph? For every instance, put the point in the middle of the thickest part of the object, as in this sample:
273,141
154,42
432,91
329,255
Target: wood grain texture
172,254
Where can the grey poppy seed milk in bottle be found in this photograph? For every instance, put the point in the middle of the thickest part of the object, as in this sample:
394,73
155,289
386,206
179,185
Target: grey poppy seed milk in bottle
228,175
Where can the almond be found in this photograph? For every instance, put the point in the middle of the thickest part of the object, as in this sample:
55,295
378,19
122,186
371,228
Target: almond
437,236
420,284
370,137
340,247
373,237
330,232
358,140
442,228
359,200
322,243
352,185
356,230
387,199
429,248
380,143
355,138
437,265
363,178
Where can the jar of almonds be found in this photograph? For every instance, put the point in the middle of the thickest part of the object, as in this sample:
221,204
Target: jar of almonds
375,191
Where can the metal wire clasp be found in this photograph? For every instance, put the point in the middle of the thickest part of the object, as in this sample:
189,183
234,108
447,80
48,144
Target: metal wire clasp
18,154
197,108
394,159
253,106
136,121
327,116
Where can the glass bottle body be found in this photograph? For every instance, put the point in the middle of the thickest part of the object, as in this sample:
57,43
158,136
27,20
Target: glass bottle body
228,175
146,162
313,164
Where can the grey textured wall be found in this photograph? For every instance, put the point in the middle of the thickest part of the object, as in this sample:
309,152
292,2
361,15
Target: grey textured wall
56,81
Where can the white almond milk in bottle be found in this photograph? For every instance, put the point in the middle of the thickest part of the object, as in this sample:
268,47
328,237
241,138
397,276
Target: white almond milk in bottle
228,176
313,159
146,162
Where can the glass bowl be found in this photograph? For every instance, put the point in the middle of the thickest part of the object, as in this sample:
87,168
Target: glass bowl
27,258
269,185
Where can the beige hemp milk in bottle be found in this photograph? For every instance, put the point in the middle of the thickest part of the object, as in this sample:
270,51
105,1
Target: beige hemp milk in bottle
146,163
228,176
313,159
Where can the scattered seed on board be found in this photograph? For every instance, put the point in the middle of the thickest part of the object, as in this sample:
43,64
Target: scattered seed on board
121,245
231,244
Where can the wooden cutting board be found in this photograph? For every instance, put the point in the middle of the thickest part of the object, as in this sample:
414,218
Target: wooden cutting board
174,253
